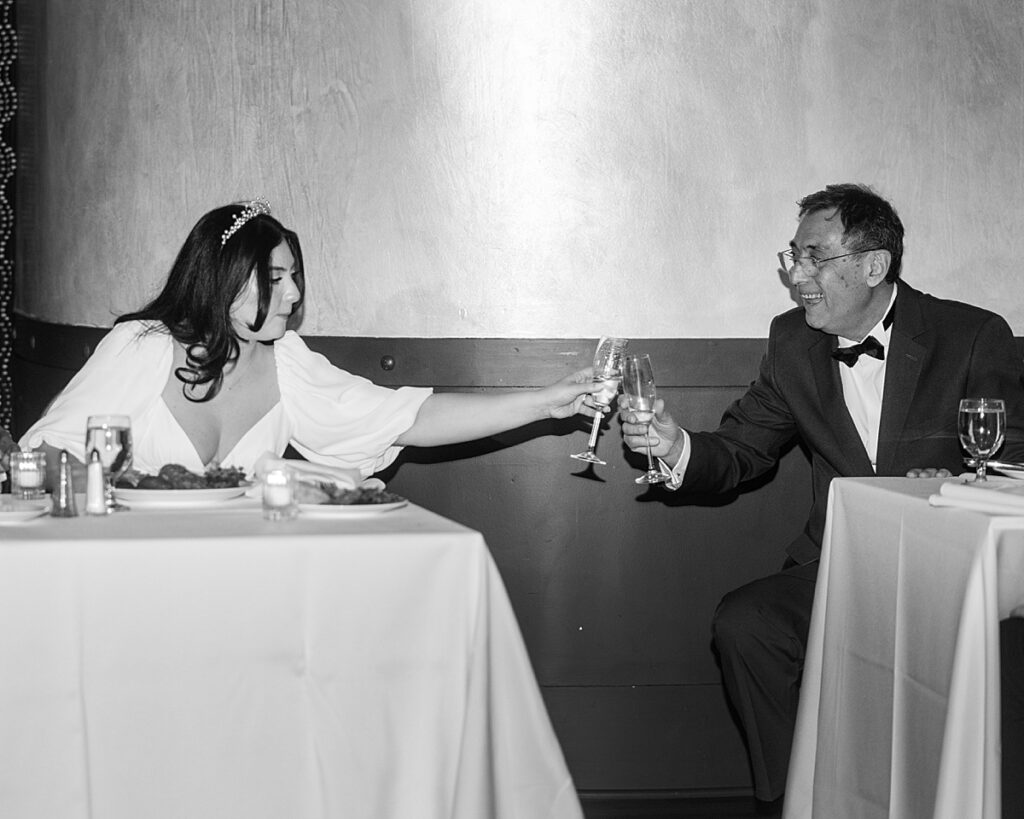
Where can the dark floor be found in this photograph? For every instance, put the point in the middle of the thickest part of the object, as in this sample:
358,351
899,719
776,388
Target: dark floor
602,806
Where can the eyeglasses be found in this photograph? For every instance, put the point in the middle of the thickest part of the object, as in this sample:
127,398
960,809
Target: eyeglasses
788,259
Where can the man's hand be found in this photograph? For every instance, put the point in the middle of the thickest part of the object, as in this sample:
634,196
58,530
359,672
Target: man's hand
662,431
929,472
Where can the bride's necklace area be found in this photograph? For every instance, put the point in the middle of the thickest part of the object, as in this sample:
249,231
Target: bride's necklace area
238,377
238,373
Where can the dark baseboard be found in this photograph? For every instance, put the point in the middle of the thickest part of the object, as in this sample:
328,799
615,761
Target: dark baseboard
667,805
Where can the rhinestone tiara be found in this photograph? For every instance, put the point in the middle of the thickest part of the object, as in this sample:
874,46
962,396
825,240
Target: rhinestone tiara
252,208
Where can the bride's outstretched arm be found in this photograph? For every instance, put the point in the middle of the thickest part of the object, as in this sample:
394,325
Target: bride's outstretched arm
449,418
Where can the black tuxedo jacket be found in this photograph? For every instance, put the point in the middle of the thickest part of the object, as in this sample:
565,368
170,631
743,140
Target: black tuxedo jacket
939,352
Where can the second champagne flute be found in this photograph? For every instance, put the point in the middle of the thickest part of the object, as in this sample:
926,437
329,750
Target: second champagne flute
111,437
607,373
639,389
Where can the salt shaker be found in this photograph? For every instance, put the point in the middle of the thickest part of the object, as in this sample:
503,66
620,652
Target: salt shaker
95,490
64,498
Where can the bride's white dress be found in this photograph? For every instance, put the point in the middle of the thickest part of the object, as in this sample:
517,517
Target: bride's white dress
328,415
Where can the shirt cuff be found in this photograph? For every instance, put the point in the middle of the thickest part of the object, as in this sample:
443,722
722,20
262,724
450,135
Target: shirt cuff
679,470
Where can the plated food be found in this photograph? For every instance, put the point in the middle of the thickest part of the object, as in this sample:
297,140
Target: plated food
327,500
178,498
174,486
175,476
317,493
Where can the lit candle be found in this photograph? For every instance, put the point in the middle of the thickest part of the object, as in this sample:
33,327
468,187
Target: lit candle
279,495
28,474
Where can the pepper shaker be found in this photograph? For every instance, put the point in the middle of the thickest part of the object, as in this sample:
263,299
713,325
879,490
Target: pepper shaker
64,498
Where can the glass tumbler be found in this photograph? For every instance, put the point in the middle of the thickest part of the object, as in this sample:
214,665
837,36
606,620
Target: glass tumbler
28,475
279,495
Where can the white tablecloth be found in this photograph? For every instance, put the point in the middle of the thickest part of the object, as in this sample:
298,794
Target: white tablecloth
211,664
899,707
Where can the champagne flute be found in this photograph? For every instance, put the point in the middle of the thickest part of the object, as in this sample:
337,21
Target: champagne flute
607,372
111,437
638,387
981,424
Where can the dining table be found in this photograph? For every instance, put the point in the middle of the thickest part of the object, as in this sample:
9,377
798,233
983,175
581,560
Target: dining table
191,659
899,703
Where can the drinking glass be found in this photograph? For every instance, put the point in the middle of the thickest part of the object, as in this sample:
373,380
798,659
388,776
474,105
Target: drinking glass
279,487
28,475
607,373
981,424
638,387
111,437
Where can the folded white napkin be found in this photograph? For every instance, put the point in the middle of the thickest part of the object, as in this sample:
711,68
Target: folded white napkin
313,473
999,496
306,471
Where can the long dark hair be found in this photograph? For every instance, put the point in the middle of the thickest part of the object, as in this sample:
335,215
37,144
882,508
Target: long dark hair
206,278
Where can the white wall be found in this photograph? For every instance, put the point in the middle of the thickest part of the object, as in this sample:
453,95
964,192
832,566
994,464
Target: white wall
537,168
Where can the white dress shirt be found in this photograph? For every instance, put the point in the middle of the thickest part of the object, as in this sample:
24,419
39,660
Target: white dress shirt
863,384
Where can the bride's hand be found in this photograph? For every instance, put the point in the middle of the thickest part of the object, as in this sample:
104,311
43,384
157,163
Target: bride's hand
566,397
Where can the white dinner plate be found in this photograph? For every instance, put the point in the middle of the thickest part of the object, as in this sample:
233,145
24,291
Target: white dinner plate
19,511
1008,472
180,498
342,510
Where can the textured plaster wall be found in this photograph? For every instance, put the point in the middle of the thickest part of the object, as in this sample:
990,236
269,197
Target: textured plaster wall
537,168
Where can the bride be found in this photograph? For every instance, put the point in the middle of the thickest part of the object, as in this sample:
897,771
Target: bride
209,373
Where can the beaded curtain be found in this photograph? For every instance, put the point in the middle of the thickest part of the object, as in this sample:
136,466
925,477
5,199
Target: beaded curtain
8,49
8,103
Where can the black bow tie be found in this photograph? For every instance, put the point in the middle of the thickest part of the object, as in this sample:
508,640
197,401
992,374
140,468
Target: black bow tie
870,346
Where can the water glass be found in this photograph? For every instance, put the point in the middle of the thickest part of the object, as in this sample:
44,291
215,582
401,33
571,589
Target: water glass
111,437
981,424
28,475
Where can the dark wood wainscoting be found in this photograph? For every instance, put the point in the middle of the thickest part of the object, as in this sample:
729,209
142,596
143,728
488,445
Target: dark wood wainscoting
614,586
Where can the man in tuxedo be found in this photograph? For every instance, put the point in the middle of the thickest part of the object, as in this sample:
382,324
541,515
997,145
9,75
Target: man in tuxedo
867,373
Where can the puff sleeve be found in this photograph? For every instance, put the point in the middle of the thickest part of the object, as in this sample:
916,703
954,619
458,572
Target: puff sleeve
125,374
337,418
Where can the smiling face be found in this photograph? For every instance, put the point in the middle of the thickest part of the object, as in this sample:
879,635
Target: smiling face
846,296
284,295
